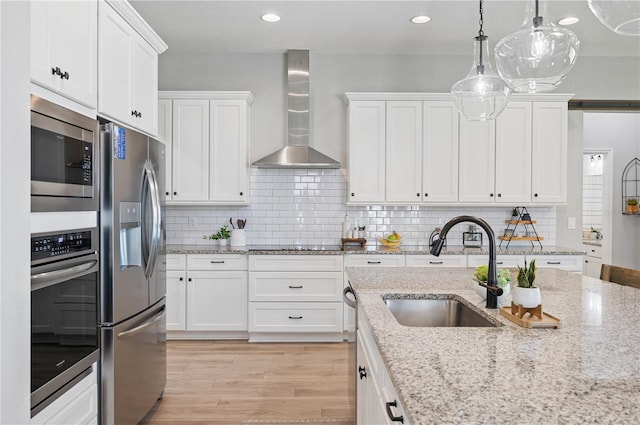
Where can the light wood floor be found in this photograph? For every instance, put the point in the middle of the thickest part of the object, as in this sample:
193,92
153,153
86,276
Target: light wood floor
227,382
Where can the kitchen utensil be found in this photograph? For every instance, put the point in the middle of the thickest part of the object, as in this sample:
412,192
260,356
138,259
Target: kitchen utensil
241,223
231,222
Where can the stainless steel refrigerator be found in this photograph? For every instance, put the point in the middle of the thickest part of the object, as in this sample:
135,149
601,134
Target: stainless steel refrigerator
133,280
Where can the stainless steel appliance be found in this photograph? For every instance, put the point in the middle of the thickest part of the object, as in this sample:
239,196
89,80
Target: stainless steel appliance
64,312
350,299
63,159
132,290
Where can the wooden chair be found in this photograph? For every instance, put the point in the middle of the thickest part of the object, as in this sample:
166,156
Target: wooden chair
621,275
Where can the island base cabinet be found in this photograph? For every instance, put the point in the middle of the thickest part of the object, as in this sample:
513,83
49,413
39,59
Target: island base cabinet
377,401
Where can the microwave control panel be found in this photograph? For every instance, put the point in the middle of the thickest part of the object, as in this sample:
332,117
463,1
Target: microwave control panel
53,245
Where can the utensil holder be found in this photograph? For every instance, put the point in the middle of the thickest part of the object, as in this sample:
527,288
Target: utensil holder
238,237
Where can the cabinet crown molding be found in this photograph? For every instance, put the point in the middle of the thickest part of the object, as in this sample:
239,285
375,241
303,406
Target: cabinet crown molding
212,95
141,26
525,97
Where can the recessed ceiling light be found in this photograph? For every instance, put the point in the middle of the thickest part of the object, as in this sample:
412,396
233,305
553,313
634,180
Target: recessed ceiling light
420,19
270,17
569,20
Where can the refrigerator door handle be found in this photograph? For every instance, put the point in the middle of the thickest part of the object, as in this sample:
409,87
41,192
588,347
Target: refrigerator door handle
150,243
142,327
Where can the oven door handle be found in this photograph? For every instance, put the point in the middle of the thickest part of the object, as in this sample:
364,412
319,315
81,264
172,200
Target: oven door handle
44,279
133,331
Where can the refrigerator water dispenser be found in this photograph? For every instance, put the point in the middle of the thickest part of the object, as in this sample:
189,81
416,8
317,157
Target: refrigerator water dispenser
130,235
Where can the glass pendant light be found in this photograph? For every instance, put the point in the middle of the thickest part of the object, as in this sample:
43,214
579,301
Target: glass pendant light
482,94
538,57
622,16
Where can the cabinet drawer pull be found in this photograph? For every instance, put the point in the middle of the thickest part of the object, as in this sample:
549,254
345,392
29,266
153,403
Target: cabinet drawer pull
65,76
499,262
217,261
593,250
393,418
362,371
374,262
436,262
553,262
295,287
295,317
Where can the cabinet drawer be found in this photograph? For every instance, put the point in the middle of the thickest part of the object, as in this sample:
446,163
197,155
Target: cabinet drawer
593,251
217,262
295,286
501,260
433,261
319,263
295,317
176,261
396,260
572,263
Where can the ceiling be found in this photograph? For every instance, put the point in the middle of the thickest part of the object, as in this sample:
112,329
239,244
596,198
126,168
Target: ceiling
365,27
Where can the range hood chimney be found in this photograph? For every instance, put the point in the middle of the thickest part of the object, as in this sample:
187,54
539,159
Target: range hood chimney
297,153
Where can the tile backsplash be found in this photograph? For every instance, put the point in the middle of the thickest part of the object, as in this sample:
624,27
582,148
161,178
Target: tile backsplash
307,207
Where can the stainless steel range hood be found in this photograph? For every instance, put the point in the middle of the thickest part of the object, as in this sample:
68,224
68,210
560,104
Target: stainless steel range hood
297,153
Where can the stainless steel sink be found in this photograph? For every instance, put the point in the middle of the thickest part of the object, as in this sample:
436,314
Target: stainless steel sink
448,312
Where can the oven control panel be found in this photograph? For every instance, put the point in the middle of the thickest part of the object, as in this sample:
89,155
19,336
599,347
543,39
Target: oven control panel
53,245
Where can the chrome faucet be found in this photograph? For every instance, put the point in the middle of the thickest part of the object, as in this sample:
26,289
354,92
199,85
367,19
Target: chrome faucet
493,291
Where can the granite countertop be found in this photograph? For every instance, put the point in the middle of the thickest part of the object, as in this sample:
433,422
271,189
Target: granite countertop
336,250
588,371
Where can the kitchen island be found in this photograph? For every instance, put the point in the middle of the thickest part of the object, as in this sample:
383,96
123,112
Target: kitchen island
588,371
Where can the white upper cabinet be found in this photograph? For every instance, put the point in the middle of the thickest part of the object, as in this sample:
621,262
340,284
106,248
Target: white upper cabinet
477,161
228,150
190,150
128,69
64,48
165,136
513,154
549,148
404,151
440,152
209,160
366,162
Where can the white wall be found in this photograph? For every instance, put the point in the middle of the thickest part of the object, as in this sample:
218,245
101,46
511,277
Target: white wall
308,207
621,132
14,213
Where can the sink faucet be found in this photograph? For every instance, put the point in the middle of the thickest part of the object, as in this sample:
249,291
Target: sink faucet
492,275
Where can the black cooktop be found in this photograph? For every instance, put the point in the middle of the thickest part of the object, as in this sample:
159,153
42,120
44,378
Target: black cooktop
294,248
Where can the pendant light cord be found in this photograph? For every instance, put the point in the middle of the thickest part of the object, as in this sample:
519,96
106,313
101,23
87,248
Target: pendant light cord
480,38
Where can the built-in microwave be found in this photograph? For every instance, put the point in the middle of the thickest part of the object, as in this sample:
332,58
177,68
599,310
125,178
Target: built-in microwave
63,159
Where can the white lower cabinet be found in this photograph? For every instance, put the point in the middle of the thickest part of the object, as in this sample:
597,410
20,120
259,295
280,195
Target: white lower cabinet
377,400
570,263
295,297
593,260
207,296
79,405
427,260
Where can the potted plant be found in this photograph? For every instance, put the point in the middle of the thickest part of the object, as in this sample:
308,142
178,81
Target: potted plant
222,236
504,277
514,214
632,206
526,293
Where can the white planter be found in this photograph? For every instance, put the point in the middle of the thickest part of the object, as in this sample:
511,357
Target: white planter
223,242
527,297
502,299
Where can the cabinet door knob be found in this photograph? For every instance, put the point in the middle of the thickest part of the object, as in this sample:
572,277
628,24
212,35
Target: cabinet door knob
189,279
64,76
241,193
181,279
175,193
491,195
499,195
418,195
134,113
426,194
535,195
353,194
362,371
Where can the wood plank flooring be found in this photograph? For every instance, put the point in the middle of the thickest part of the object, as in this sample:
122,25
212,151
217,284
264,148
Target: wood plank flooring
228,382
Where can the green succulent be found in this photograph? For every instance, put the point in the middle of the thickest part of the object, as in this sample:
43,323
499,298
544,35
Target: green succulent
527,275
223,233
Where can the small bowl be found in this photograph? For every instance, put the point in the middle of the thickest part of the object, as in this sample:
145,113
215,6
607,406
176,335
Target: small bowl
389,243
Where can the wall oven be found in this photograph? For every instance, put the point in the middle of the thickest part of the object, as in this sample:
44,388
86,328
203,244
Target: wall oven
63,159
64,312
